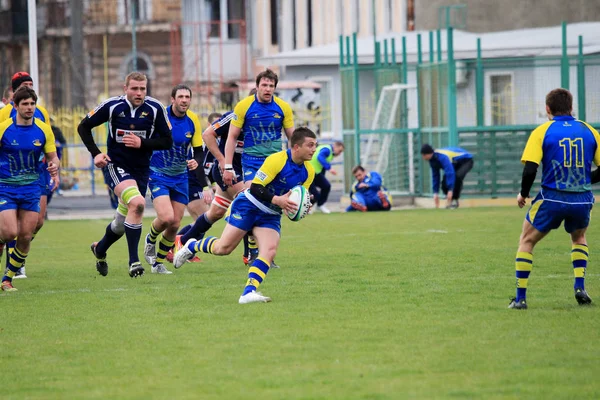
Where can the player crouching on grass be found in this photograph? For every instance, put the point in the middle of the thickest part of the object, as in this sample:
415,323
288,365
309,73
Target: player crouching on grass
23,138
259,209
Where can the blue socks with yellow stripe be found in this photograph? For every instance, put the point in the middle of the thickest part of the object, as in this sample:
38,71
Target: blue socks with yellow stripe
256,274
579,258
523,266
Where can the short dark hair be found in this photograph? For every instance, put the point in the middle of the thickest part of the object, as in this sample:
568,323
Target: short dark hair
181,86
560,102
267,74
339,143
24,93
300,134
427,149
252,92
357,168
213,117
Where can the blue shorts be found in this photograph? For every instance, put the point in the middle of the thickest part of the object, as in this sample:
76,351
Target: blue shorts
218,178
551,207
245,216
26,197
176,187
251,165
113,175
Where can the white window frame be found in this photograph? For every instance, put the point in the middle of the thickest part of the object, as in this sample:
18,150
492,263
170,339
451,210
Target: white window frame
488,94
145,12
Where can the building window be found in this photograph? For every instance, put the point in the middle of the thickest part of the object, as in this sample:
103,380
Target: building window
141,10
499,96
144,65
274,23
237,13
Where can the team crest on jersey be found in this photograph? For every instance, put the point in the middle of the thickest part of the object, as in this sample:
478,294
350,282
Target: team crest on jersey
236,216
188,135
37,143
14,142
144,114
276,116
156,189
3,202
261,175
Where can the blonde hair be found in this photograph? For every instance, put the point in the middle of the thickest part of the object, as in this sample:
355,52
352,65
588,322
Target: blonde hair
135,76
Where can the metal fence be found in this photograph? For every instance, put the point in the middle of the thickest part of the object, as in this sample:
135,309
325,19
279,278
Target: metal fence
487,106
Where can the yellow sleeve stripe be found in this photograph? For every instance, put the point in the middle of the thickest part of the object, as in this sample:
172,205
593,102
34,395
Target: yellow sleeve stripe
597,137
288,115
45,114
5,112
50,146
534,148
197,137
450,154
4,126
270,168
240,111
311,174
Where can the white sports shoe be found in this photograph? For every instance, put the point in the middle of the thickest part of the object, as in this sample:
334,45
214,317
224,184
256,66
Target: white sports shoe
149,251
254,297
324,209
183,255
20,274
160,269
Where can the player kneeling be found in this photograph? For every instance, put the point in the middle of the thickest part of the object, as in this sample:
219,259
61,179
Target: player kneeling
259,210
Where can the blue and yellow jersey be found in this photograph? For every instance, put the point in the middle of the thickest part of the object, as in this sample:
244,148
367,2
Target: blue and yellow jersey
262,124
185,131
279,174
443,159
566,148
9,111
21,148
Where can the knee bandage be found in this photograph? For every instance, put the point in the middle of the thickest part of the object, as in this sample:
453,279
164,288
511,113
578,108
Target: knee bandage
129,193
221,202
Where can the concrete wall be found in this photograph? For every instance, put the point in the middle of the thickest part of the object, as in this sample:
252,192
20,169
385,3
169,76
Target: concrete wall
495,15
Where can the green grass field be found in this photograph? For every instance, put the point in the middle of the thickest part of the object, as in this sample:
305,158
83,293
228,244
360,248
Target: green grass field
407,304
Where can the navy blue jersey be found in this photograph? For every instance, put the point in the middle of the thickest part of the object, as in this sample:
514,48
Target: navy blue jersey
221,128
149,120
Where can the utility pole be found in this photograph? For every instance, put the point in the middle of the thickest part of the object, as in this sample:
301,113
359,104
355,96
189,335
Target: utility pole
77,56
33,48
133,37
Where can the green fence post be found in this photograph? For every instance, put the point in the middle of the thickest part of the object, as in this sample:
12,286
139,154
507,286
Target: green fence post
452,123
493,164
419,188
356,101
348,52
564,70
479,101
419,49
431,47
394,51
439,45
377,54
341,51
385,52
581,81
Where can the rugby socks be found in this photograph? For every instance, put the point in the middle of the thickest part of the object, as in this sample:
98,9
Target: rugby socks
185,229
523,266
205,245
16,260
201,226
579,258
252,246
256,274
246,247
153,234
133,233
9,249
163,248
110,237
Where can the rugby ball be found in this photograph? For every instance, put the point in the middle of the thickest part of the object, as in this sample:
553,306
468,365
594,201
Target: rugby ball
301,197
